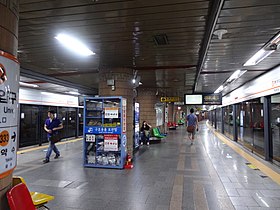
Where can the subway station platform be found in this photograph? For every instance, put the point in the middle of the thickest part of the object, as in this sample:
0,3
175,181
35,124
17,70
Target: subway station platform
213,173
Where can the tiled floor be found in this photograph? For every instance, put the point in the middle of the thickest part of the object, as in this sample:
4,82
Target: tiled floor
172,175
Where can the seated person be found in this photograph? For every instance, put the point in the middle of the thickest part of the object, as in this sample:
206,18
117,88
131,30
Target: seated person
145,133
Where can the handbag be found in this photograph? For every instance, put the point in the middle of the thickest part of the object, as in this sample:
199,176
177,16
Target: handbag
147,133
190,128
55,137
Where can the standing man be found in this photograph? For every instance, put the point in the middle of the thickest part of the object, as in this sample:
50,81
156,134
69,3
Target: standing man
52,125
192,125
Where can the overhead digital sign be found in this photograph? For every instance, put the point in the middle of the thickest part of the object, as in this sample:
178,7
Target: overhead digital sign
203,99
193,99
212,99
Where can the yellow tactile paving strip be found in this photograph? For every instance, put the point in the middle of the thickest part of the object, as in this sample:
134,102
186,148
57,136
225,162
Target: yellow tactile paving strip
46,146
262,167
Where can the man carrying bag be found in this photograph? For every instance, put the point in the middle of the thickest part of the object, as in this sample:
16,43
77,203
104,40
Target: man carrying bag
52,125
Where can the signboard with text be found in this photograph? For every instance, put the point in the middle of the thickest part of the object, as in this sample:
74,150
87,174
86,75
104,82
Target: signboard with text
110,142
124,115
211,99
169,99
9,85
112,112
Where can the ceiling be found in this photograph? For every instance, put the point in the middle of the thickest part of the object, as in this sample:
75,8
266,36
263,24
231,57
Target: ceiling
122,33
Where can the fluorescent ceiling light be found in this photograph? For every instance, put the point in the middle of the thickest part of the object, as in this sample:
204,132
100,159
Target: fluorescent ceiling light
74,45
235,75
133,81
28,85
219,89
258,57
73,93
270,47
140,83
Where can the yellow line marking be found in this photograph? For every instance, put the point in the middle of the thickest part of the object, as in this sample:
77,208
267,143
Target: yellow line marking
265,169
46,146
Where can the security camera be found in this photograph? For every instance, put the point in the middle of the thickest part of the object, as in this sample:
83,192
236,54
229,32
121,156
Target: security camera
273,46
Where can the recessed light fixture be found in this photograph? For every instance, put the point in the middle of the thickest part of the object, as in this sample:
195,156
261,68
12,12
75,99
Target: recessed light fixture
49,93
219,89
73,93
258,57
74,45
238,73
28,85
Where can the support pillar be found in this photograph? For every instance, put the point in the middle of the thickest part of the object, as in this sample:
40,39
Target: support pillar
9,74
147,99
122,87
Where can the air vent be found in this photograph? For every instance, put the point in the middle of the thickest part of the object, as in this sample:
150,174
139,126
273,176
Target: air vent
161,39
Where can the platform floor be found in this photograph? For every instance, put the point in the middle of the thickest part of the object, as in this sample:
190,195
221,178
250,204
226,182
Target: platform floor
171,175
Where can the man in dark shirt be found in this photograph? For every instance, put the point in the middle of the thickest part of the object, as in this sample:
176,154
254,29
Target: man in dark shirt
52,125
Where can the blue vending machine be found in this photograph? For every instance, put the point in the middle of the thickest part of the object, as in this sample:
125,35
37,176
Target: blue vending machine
105,141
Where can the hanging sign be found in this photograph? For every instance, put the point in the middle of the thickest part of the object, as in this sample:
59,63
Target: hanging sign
112,112
111,142
9,85
212,99
169,99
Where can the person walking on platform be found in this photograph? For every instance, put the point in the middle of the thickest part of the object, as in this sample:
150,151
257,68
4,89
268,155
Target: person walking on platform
145,133
52,125
192,125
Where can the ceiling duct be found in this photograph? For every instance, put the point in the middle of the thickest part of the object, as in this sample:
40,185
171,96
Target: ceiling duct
161,39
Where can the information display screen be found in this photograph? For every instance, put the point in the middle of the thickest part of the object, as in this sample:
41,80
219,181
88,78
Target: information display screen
193,99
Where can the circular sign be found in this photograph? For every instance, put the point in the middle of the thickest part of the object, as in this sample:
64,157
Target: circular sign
4,138
124,140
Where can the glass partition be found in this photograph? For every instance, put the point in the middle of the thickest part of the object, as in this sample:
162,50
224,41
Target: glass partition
219,119
228,121
250,125
275,126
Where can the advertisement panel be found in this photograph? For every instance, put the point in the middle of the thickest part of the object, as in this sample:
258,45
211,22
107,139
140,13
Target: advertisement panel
9,85
124,115
136,124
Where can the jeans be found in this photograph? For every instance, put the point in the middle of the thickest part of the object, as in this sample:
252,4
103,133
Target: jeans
51,148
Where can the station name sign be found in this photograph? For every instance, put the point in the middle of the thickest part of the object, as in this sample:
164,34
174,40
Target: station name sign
212,99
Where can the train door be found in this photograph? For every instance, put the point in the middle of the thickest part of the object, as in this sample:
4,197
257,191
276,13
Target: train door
68,118
29,125
81,121
72,122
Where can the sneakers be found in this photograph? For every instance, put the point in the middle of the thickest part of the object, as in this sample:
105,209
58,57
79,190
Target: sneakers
56,156
148,143
46,161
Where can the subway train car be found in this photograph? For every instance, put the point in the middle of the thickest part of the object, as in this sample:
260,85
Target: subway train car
34,105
